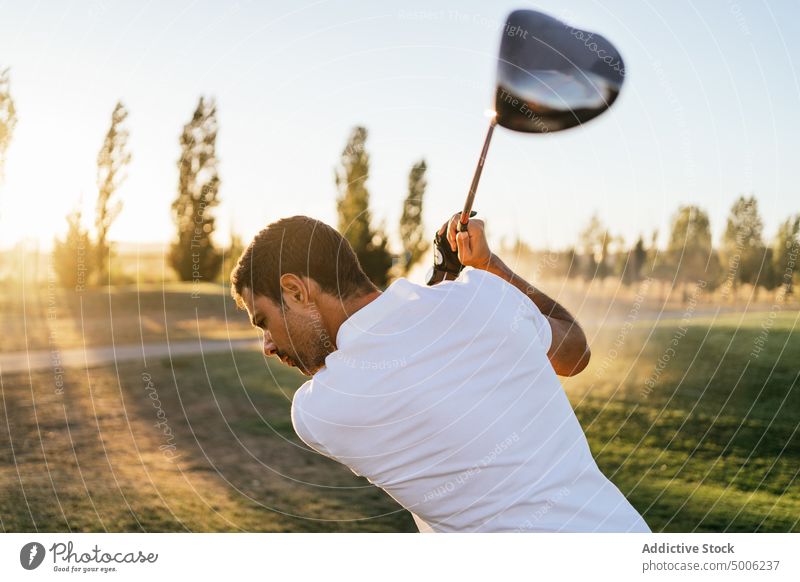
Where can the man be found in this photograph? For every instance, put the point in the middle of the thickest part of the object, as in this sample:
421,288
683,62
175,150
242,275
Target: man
445,396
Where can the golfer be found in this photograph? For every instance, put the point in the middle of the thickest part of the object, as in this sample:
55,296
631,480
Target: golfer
446,397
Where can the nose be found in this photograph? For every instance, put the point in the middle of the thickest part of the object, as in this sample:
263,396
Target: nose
270,347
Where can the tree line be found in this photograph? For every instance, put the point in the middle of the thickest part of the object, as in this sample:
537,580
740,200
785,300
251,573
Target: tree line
743,255
84,257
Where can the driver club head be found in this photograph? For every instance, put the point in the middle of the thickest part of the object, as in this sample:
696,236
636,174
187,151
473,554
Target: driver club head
551,76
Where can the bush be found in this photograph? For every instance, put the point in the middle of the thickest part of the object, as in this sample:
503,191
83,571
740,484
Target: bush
73,257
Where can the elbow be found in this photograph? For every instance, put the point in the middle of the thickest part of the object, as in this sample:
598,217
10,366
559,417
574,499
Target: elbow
575,365
582,362
571,354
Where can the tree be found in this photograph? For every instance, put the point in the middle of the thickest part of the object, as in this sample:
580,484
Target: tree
689,246
570,260
638,259
232,254
785,253
412,231
595,240
743,249
767,277
352,205
8,117
629,264
193,255
603,269
111,161
377,259
72,256
652,252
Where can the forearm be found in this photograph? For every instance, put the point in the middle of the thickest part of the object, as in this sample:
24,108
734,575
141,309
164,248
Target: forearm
569,351
548,306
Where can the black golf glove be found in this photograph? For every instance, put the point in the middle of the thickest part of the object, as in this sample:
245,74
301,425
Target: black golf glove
446,265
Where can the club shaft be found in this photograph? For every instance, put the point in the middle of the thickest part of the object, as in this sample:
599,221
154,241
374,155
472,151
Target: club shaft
476,178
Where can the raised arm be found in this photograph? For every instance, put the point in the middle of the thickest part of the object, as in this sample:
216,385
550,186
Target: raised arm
569,352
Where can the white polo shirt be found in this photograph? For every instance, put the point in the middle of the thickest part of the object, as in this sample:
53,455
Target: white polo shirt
443,396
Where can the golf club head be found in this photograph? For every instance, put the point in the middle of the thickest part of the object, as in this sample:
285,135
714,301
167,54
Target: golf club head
551,76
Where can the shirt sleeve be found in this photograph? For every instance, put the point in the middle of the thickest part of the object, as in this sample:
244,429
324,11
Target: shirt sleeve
543,329
304,422
301,427
541,324
530,310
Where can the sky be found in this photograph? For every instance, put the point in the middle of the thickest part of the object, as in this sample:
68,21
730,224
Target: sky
709,111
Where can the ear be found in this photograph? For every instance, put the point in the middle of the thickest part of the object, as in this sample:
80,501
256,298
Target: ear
295,290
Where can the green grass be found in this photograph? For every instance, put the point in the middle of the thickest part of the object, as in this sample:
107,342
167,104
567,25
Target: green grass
239,465
714,445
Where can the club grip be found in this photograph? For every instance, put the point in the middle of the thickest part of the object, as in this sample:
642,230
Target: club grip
446,265
462,226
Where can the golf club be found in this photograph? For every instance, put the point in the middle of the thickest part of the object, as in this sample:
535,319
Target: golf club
550,77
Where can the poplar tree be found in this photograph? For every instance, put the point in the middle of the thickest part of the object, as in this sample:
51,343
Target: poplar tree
111,161
412,231
8,117
352,205
193,254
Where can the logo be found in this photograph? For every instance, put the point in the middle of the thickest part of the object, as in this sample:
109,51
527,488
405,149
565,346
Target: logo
31,555
437,256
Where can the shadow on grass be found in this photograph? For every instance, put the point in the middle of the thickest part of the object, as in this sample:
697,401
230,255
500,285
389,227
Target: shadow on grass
232,419
170,448
126,315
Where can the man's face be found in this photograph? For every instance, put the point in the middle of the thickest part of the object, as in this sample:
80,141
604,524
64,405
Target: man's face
293,333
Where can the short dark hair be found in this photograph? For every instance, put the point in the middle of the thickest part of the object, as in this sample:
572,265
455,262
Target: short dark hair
305,247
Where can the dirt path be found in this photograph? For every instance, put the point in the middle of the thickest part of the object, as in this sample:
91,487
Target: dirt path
90,357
